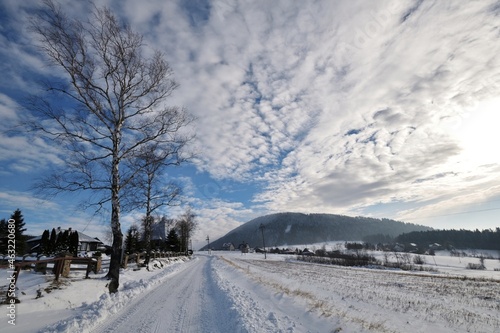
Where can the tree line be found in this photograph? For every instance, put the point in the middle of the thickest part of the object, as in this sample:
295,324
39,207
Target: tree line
461,239
177,237
59,241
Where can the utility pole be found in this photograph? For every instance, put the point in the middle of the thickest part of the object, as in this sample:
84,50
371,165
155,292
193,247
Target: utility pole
208,244
261,227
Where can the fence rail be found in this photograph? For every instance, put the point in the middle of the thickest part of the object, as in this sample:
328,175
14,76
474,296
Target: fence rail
62,265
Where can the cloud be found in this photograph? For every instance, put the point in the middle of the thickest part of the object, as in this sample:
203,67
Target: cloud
323,106
394,97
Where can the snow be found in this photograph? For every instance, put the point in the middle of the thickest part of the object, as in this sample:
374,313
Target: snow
231,292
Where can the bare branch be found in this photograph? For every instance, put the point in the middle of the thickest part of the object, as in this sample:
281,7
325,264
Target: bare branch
108,113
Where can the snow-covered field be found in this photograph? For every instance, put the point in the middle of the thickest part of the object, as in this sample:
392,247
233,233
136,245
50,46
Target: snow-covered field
230,292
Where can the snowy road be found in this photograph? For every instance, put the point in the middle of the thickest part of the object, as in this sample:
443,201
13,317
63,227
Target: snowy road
187,302
211,295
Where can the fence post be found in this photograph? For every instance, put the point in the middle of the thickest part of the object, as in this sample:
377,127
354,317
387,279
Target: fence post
125,261
60,265
66,267
98,264
57,268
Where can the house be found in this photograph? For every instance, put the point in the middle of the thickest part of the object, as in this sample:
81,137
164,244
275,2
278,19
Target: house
159,233
228,246
398,248
86,243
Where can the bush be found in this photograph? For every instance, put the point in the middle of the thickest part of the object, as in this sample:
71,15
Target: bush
419,260
475,266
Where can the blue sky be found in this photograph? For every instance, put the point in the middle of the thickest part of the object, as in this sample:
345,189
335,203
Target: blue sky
375,108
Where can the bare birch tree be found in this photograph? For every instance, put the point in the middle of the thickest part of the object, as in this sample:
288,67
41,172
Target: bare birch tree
186,224
110,107
150,192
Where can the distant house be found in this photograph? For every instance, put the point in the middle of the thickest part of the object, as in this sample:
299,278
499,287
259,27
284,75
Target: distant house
86,243
398,247
158,233
307,252
435,246
244,247
228,246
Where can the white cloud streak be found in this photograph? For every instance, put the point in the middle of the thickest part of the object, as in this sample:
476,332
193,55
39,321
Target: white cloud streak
334,106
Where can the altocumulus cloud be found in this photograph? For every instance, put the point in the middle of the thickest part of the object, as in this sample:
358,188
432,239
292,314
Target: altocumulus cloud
331,106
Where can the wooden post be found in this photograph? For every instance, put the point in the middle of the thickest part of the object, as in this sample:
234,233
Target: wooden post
98,264
66,267
125,261
57,268
90,264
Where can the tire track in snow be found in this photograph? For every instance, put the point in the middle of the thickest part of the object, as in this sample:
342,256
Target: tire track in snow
262,311
188,301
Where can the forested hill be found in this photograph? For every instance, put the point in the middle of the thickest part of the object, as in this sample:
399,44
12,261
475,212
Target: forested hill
296,228
460,239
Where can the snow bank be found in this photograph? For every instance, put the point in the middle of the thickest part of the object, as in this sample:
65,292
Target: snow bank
83,302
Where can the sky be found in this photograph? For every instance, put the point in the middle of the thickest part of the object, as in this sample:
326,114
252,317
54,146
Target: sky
387,109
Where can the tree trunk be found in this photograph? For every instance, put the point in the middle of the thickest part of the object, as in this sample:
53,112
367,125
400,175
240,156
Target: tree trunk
116,251
148,223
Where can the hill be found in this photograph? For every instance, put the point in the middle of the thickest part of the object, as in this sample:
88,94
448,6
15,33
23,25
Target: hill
283,229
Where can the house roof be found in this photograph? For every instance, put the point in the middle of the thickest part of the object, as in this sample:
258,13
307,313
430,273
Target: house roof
81,238
87,239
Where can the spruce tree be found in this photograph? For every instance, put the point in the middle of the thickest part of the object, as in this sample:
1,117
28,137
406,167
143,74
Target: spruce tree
132,243
62,243
3,236
17,216
52,241
73,243
45,243
173,241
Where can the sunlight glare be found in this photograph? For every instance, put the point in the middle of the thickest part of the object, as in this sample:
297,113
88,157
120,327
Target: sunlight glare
479,132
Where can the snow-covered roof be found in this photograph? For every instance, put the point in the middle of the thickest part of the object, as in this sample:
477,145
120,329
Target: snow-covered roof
81,237
87,239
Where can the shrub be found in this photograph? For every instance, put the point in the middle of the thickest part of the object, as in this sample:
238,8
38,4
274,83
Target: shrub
419,260
475,266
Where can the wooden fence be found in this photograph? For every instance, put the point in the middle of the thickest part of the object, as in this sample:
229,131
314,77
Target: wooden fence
138,258
62,265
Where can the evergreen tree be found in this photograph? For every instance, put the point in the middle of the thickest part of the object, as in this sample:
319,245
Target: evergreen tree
17,216
45,243
52,241
132,242
3,236
73,243
62,243
173,241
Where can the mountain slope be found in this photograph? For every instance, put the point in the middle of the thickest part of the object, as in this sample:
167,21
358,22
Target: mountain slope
296,228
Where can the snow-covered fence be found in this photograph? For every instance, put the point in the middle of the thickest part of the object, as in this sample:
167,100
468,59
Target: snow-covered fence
138,258
60,266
